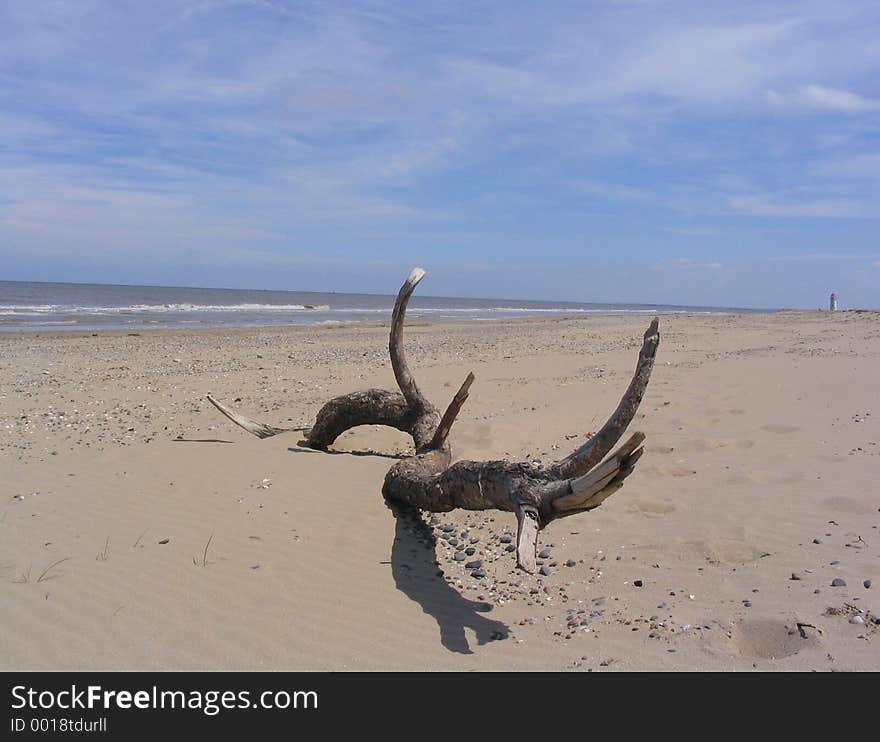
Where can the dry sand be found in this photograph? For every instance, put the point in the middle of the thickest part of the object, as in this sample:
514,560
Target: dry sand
762,460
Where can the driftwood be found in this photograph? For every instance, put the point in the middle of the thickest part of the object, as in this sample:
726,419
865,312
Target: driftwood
430,481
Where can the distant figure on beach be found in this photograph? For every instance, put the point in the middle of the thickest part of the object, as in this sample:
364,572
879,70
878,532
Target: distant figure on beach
833,303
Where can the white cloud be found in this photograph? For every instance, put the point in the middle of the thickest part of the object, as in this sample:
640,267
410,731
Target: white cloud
761,205
827,99
471,127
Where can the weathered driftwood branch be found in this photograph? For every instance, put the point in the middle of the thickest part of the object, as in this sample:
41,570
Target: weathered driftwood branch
409,412
261,430
429,481
537,495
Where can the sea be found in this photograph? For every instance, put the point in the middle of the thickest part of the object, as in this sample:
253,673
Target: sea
35,306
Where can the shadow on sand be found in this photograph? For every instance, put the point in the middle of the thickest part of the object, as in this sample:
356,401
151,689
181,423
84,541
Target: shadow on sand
418,575
375,454
200,440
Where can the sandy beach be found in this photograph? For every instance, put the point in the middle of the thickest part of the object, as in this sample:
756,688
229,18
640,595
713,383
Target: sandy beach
141,530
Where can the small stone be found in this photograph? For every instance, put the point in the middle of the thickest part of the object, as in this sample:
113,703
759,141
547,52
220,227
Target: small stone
506,538
867,584
838,582
572,563
165,540
638,583
448,528
747,603
476,564
510,548
470,551
544,553
795,576
460,556
478,574
857,620
817,541
545,570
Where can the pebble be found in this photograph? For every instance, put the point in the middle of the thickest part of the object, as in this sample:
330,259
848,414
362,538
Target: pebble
506,539
638,583
510,548
572,563
448,528
857,620
476,564
545,571
460,556
795,576
544,553
867,584
478,574
838,582
817,541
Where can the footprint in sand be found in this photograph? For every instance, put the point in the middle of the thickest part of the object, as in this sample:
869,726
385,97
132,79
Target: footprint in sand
843,504
728,551
708,444
775,428
771,639
676,471
651,509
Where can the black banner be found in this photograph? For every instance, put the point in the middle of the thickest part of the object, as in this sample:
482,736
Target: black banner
131,705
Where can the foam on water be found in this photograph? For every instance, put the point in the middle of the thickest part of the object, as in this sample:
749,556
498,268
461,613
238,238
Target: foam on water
32,306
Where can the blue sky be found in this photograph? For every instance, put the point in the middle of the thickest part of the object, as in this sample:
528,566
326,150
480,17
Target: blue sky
669,152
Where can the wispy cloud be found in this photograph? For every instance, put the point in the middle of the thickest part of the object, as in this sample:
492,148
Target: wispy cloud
827,99
483,131
760,205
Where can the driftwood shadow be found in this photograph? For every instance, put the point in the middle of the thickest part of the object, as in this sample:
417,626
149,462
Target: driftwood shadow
374,454
418,575
201,440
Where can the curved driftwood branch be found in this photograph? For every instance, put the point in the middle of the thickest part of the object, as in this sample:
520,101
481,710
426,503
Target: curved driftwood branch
429,481
537,495
409,412
369,407
591,453
404,377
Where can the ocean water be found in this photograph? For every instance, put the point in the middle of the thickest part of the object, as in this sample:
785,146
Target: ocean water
30,306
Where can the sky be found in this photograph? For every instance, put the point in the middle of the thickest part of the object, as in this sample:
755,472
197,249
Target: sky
703,153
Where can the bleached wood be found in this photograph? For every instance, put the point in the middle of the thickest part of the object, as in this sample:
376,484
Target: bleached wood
593,451
439,439
430,481
402,374
261,430
527,526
